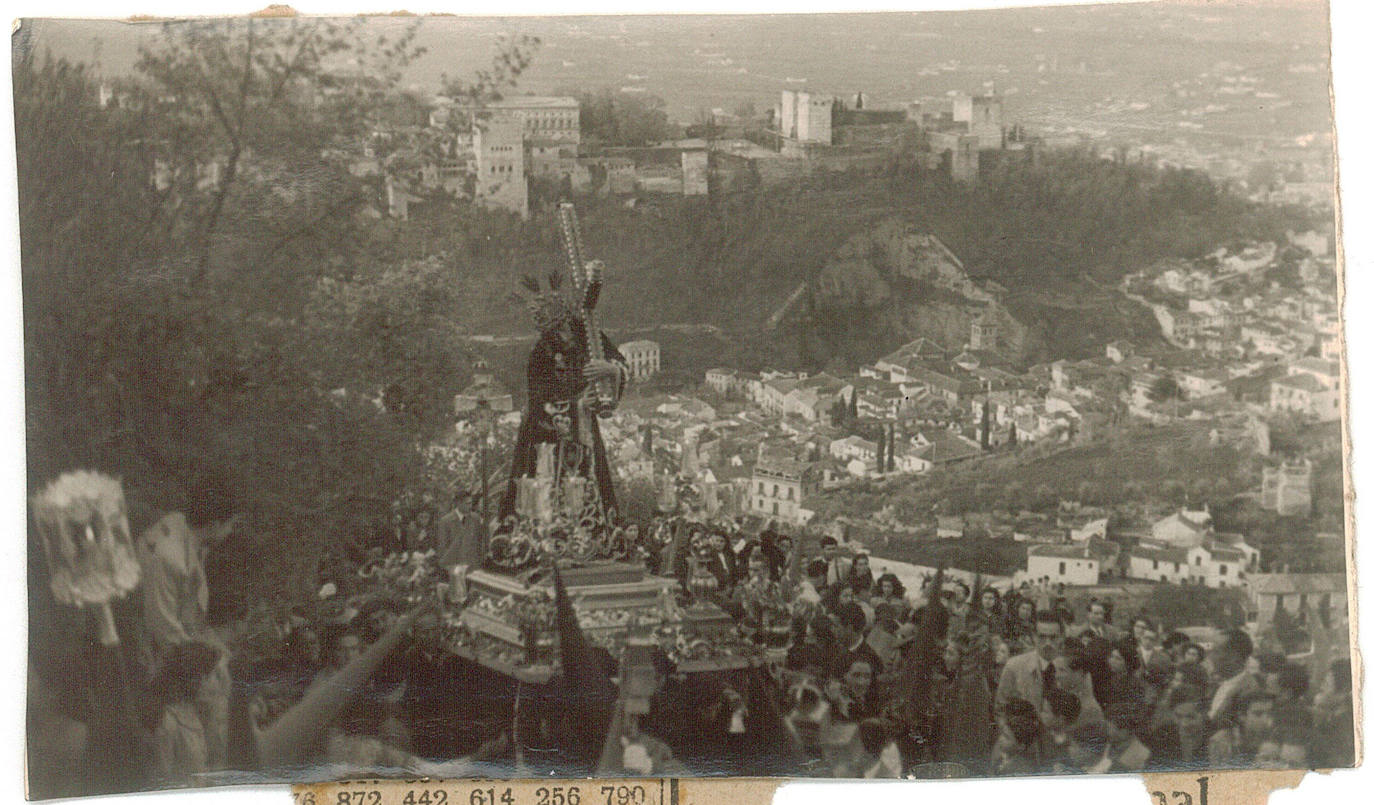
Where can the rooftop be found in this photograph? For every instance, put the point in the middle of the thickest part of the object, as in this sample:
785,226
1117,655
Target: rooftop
1290,583
534,102
1303,382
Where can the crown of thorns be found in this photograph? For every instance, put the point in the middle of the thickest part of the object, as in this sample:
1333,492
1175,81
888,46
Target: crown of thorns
549,308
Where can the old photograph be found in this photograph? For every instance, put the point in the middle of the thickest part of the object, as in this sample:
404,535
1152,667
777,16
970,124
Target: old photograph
917,395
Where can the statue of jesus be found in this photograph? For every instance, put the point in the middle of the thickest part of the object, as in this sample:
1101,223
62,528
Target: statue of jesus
561,411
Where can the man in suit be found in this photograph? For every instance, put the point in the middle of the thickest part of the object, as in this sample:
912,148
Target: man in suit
1028,675
836,566
1097,627
722,562
1230,664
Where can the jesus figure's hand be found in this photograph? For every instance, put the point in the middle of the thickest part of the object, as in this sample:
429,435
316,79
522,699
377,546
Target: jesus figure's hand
597,371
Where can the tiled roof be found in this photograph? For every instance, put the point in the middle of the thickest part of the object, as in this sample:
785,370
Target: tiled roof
1290,583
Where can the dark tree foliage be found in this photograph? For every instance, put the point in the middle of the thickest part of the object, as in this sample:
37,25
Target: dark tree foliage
200,289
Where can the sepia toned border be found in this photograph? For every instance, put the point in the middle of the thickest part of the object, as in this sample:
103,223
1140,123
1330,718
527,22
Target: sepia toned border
1353,24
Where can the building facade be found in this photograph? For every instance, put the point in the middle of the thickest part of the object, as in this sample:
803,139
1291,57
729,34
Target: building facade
499,144
983,116
806,117
543,117
1287,488
778,487
642,357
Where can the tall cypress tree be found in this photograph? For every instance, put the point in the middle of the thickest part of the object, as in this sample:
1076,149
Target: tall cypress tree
987,421
891,442
882,439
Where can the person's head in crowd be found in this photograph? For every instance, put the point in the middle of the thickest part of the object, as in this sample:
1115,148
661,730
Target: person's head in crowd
1229,656
1075,663
849,623
1253,713
1097,614
1064,709
349,647
1334,690
885,617
889,586
1049,635
858,678
1061,606
1185,705
1190,675
1291,683
214,506
1336,682
718,540
1020,719
758,566
990,601
1146,635
961,592
1088,744
845,595
815,572
1025,610
830,548
809,713
377,617
1001,652
1123,659
1191,654
1174,645
860,566
303,646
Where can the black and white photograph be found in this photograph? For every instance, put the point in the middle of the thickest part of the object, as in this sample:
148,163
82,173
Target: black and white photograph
917,395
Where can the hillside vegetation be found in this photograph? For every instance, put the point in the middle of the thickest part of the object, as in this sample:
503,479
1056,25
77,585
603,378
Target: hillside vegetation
1057,233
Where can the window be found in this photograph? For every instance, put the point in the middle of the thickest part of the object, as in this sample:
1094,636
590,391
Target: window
1061,568
760,487
1156,567
775,507
1223,570
775,490
1198,559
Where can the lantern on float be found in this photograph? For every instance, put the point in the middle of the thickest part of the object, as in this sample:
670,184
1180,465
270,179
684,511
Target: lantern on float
84,524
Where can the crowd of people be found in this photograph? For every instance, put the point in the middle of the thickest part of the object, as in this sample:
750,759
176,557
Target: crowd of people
862,677
881,681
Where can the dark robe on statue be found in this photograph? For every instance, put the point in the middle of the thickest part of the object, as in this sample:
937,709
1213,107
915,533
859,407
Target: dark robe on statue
552,415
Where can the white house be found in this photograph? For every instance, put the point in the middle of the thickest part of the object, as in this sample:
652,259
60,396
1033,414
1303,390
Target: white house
1184,528
854,447
1200,383
723,381
1326,372
1304,394
1216,566
777,488
1297,593
1092,528
1076,564
642,357
1158,563
1213,563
